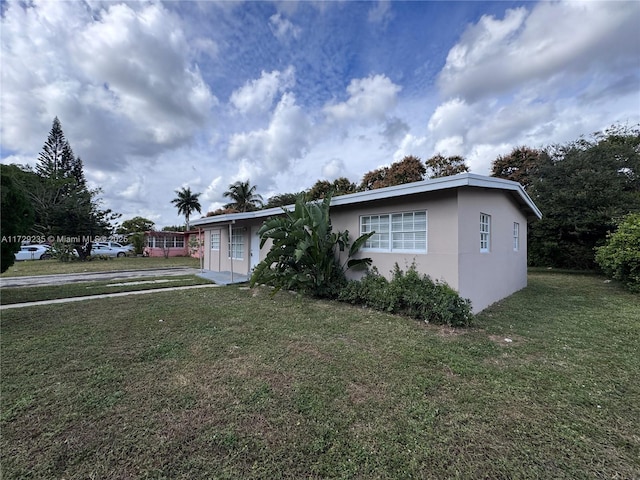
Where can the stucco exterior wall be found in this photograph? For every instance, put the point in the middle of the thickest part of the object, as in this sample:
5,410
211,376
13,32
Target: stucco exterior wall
488,277
453,238
219,261
440,261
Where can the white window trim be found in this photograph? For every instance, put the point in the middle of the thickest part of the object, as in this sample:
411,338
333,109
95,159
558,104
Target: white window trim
215,246
242,244
390,233
516,237
485,221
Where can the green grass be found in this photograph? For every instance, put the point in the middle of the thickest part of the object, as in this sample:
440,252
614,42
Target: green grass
81,289
49,267
231,383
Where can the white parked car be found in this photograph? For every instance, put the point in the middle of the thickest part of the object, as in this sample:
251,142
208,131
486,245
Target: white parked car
100,249
127,247
33,252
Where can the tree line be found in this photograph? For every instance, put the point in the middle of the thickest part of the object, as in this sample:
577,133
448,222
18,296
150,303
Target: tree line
584,189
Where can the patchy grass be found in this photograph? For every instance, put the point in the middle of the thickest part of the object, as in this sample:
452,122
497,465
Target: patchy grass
50,267
231,383
81,289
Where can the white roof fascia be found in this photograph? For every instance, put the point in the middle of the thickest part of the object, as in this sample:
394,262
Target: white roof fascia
432,185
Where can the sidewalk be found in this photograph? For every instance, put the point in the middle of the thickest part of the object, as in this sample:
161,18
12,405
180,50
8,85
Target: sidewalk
40,280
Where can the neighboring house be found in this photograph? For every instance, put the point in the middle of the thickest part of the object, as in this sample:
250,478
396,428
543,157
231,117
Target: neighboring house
467,230
173,244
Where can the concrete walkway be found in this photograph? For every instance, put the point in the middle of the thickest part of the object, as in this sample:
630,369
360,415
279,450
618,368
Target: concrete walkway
223,278
102,295
41,280
219,278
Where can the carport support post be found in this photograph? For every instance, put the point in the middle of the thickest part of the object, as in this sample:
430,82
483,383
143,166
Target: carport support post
201,250
231,247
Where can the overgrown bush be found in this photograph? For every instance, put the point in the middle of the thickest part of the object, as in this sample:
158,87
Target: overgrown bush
303,254
137,240
620,257
410,294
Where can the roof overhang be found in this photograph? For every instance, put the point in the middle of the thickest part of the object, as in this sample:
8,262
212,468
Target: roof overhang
398,191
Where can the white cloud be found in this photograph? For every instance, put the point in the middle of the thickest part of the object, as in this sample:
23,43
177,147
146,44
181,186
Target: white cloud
563,39
120,80
381,13
450,146
144,72
333,169
451,117
282,28
410,145
370,99
258,95
286,138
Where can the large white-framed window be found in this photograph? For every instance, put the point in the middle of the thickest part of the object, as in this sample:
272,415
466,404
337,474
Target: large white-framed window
236,244
485,232
165,241
516,236
215,240
396,232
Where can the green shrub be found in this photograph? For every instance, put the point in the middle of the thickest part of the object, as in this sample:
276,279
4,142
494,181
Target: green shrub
620,257
409,294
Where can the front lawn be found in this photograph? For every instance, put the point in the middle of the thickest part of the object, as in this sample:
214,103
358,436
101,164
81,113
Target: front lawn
231,383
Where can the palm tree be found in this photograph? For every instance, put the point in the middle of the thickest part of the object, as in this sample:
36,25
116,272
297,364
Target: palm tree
187,203
244,197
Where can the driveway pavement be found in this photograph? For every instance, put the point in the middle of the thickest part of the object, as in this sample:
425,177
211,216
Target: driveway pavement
41,280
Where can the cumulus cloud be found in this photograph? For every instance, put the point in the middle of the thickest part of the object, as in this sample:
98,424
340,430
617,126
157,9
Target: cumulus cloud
410,145
282,28
370,99
394,130
286,138
258,95
552,39
120,79
333,169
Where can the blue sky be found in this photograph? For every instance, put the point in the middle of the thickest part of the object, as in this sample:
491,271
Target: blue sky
154,96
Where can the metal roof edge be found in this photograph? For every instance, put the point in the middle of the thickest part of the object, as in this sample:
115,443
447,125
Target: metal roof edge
423,186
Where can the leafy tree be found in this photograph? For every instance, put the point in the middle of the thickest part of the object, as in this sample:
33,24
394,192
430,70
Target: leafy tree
135,225
282,200
620,257
439,166
173,228
374,179
582,190
187,203
16,213
303,255
244,197
522,165
409,169
323,188
221,211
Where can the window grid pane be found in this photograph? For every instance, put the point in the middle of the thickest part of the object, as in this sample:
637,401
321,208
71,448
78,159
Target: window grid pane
485,232
215,240
236,246
399,231
516,236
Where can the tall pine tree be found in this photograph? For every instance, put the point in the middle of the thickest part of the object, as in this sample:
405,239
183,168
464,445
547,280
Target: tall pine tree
63,203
